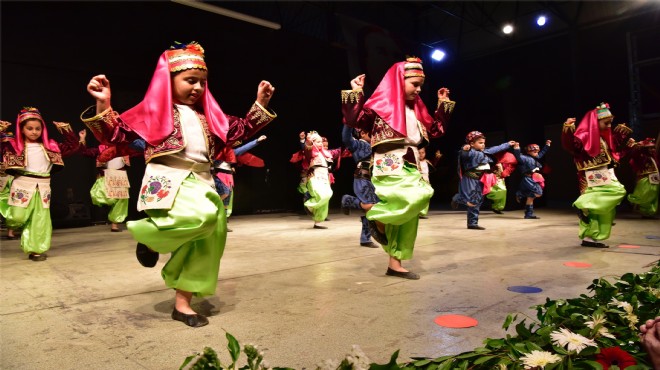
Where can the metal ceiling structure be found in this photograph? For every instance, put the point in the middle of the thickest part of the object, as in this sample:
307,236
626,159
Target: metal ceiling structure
467,29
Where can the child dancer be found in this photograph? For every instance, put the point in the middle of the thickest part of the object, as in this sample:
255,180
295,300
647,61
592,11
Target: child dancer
111,185
317,161
184,128
532,183
642,160
474,162
594,146
425,167
506,164
362,186
399,123
31,157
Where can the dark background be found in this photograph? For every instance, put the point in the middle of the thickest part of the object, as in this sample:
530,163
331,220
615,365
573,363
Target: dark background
50,50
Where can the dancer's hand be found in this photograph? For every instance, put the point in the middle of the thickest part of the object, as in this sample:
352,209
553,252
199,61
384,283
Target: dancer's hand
99,88
569,121
265,92
358,82
443,94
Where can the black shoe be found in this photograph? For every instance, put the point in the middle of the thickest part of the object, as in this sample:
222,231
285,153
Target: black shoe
194,320
406,275
423,218
115,230
476,227
533,217
319,227
586,243
497,211
369,245
146,256
229,230
326,219
376,234
584,218
37,257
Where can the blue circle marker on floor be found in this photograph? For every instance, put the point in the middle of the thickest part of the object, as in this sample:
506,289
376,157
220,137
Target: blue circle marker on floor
652,237
524,289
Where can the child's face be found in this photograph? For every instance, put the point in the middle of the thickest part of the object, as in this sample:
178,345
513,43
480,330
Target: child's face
478,144
605,123
188,86
325,144
422,154
413,86
32,130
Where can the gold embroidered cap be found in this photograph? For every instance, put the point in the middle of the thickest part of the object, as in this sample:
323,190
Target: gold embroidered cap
603,111
413,68
29,113
186,56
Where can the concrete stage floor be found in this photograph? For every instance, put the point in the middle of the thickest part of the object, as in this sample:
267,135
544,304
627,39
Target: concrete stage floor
302,295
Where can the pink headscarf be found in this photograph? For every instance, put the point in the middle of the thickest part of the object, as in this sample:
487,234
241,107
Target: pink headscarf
18,141
152,118
389,101
589,133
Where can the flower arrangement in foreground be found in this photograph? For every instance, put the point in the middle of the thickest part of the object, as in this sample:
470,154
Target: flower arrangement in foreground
590,332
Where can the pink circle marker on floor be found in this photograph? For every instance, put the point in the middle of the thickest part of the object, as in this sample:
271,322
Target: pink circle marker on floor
628,246
577,264
455,321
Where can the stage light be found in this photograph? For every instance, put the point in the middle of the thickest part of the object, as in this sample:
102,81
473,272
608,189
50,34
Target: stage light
507,29
438,55
541,20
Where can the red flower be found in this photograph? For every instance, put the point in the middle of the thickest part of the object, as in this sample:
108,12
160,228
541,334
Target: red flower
162,193
615,356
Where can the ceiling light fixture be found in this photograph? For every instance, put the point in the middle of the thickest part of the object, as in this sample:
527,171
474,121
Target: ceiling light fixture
229,13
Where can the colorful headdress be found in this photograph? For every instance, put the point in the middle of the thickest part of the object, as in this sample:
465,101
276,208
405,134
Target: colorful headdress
413,68
532,147
603,111
186,56
152,118
474,135
389,100
589,133
25,114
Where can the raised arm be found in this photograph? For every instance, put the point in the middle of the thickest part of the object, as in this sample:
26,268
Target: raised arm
545,149
352,106
442,113
256,118
568,139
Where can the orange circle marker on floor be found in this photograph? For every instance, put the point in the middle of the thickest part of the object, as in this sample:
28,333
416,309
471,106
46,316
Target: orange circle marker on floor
455,321
628,246
577,264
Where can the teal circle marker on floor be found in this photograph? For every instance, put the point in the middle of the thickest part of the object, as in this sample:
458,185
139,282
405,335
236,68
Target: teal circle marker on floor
524,289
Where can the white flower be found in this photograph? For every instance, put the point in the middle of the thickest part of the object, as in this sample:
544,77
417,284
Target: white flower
597,320
603,332
328,365
539,359
358,358
621,304
570,340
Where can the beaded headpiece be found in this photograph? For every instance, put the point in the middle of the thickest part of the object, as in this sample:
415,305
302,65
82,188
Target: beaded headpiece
186,56
603,111
474,135
413,68
29,113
